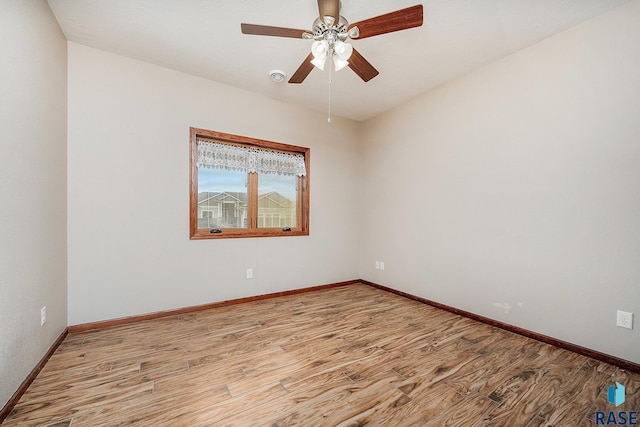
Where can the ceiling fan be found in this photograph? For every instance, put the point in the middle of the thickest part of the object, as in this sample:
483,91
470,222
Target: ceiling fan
330,34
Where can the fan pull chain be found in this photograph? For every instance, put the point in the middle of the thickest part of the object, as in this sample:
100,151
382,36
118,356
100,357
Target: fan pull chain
330,81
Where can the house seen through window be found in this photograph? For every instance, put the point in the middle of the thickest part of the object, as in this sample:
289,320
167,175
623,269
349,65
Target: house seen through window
244,187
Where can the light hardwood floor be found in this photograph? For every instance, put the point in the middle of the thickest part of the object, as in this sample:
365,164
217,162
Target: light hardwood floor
352,355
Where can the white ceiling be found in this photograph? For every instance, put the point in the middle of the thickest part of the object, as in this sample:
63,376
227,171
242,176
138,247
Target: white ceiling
202,37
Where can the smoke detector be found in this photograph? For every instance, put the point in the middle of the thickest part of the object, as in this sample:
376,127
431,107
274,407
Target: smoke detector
277,75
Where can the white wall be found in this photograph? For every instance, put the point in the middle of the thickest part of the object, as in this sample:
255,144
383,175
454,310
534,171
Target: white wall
128,189
33,253
519,184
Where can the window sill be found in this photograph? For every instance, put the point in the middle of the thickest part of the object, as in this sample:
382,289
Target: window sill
231,234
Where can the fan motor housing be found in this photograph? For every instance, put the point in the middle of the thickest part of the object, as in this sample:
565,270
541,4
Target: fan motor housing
322,31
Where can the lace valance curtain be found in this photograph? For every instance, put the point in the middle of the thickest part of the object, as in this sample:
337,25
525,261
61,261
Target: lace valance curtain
232,157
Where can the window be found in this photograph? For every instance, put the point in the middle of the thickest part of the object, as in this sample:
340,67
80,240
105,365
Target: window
245,187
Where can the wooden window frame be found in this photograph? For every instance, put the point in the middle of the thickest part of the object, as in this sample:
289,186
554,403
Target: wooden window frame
252,229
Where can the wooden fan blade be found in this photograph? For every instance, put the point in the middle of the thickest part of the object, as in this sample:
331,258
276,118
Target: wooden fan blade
362,67
303,70
265,30
399,20
329,8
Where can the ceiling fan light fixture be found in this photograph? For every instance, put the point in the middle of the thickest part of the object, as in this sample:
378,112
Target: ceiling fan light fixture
330,27
320,48
319,63
343,50
339,63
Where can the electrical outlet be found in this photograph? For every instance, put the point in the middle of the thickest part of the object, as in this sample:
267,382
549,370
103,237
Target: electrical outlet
624,319
381,265
43,315
249,273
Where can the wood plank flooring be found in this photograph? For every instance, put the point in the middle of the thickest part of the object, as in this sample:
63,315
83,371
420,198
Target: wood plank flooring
347,356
